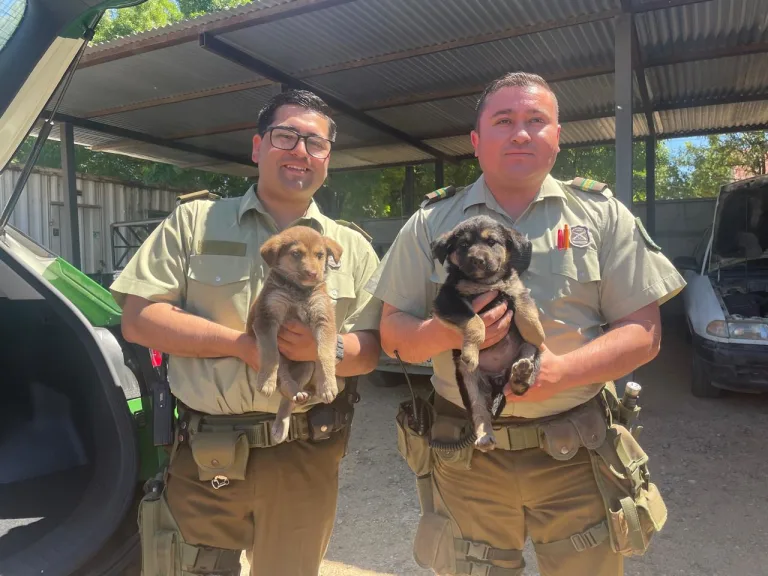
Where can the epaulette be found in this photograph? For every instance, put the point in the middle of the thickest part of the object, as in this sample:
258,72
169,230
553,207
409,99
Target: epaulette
588,185
439,194
199,195
356,228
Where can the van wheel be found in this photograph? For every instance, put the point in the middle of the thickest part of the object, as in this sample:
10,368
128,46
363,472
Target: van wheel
701,384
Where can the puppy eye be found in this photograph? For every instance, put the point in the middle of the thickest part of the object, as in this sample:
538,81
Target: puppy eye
296,254
319,255
492,242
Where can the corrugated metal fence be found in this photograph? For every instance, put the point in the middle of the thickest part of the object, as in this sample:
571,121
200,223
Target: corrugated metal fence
101,202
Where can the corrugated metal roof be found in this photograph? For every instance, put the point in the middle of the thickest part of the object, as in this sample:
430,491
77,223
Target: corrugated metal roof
726,77
411,62
360,30
207,20
702,26
548,53
742,115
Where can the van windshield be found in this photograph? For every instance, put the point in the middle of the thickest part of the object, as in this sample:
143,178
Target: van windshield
11,13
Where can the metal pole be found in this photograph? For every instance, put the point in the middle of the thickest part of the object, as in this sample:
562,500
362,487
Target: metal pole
439,174
650,185
623,98
69,216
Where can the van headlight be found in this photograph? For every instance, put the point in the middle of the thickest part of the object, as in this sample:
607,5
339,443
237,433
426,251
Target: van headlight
738,329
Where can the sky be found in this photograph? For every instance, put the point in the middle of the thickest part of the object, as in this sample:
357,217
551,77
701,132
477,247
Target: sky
677,144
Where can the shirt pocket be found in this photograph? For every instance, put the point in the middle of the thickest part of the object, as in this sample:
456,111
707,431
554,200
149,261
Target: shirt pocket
575,276
341,289
218,288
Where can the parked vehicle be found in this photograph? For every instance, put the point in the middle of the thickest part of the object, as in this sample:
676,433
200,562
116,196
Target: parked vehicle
726,300
78,424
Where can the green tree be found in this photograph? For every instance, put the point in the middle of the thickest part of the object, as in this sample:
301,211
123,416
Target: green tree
722,159
146,16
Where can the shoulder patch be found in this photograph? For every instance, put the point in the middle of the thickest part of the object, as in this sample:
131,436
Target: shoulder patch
647,237
588,185
356,228
199,195
439,194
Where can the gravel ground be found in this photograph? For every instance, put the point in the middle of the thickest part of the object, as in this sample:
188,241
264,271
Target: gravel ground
706,456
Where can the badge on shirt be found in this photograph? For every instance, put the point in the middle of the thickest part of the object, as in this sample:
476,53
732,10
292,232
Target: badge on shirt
332,262
580,236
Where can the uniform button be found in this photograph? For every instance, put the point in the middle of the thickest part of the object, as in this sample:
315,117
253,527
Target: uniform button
334,293
218,278
214,462
323,428
563,450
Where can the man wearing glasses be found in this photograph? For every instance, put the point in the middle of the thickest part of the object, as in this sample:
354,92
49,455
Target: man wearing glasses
187,292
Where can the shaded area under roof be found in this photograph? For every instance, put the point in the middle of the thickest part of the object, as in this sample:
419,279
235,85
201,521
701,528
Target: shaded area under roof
405,76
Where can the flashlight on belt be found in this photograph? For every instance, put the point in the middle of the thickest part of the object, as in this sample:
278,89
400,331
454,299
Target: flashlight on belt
629,408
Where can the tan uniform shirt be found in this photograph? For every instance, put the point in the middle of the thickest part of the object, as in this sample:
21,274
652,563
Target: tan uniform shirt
204,258
609,272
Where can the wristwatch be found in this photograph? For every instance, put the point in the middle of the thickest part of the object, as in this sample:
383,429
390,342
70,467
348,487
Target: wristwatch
339,348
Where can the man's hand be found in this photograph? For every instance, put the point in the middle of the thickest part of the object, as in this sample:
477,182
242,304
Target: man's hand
296,342
548,382
496,320
248,351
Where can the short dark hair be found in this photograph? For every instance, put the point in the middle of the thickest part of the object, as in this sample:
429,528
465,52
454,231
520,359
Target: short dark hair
515,79
302,98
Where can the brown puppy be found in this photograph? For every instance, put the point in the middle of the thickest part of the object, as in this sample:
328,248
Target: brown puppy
483,255
298,258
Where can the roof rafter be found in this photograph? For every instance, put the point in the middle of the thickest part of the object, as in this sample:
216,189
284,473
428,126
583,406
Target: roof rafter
227,51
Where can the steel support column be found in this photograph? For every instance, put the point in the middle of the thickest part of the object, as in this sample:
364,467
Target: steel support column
439,174
623,98
70,241
650,185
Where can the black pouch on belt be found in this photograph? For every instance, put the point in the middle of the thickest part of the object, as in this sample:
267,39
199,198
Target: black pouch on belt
321,421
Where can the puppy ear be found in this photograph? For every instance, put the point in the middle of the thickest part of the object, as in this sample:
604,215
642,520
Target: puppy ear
334,249
442,247
270,250
519,250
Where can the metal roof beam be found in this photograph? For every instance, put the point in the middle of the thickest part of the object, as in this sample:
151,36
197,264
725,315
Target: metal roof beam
229,52
146,138
639,68
660,5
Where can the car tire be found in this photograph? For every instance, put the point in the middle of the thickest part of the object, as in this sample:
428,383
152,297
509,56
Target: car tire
701,384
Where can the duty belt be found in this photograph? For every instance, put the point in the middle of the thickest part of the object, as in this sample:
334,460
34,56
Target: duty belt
317,423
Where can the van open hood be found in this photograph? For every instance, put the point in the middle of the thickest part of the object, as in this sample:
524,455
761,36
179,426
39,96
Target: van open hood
49,37
740,227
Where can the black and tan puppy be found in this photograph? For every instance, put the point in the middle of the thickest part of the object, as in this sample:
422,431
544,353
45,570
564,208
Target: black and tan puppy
484,255
295,290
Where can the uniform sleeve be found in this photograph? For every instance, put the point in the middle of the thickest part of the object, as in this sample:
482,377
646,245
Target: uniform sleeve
366,311
402,279
157,271
634,273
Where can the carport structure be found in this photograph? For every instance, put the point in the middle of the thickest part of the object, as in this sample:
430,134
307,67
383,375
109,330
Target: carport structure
404,75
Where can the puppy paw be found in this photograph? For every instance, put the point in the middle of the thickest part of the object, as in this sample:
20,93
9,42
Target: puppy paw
485,442
280,430
266,384
471,359
327,393
521,376
301,397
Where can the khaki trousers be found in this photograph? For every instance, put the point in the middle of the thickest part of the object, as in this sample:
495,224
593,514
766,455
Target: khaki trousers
282,514
508,495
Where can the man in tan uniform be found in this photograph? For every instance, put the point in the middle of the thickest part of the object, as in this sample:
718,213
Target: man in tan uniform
187,292
598,295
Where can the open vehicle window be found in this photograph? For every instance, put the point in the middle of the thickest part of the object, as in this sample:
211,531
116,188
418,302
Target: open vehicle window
11,12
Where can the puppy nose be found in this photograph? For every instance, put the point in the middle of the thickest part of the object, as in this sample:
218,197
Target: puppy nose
477,260
312,273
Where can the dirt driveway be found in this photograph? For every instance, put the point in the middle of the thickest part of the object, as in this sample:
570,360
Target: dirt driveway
707,456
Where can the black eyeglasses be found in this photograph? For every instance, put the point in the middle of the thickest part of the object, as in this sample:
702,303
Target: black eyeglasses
286,138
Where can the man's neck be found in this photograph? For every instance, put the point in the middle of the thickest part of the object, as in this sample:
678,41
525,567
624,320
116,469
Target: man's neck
283,212
514,199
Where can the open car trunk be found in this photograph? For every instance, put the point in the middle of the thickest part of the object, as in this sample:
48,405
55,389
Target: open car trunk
68,455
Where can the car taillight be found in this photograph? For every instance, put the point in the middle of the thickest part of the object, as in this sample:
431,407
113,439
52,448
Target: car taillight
157,358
